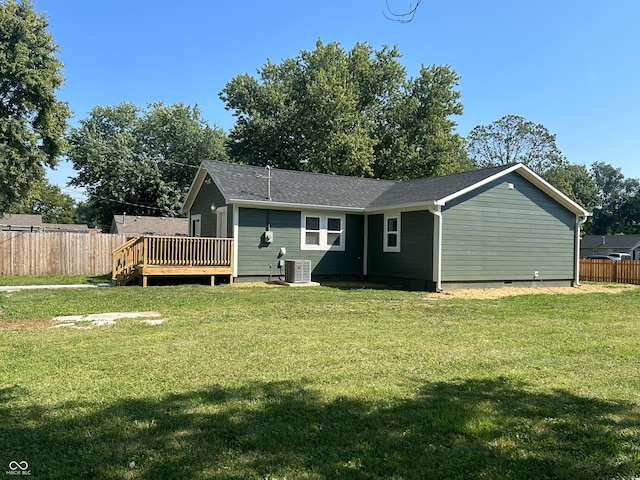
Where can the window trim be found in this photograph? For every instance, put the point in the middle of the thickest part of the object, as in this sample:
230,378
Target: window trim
385,241
323,232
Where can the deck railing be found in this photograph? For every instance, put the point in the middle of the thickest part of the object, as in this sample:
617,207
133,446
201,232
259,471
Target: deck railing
170,252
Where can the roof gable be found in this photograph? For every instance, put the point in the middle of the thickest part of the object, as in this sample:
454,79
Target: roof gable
247,184
433,190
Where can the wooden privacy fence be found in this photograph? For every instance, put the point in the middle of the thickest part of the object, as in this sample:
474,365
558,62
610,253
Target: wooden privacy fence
57,253
617,271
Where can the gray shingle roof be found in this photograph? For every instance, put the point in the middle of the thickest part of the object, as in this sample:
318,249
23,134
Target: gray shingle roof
433,189
142,225
21,219
247,182
610,241
250,183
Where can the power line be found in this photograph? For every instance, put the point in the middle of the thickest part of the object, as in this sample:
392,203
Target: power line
112,200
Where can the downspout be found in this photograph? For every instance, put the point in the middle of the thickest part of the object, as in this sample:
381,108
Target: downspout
437,246
365,247
236,231
579,222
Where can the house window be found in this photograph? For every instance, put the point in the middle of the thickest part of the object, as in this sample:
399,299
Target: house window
334,232
312,232
392,232
322,232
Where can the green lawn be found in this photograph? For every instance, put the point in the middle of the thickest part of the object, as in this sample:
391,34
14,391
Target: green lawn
321,383
54,280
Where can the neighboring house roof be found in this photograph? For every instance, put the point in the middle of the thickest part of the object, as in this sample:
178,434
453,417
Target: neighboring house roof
248,184
610,241
65,227
22,220
141,225
33,223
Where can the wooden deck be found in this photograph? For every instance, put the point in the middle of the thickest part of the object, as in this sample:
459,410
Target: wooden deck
144,257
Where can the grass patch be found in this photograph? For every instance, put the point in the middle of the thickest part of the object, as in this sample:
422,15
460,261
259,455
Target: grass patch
12,281
321,383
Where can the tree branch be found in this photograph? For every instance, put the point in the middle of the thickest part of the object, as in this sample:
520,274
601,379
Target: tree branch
402,17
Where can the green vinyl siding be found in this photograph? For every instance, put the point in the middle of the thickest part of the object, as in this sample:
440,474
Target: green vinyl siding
415,258
255,256
496,233
207,195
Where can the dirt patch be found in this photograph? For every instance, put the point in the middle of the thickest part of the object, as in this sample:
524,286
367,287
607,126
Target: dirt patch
483,293
491,293
22,324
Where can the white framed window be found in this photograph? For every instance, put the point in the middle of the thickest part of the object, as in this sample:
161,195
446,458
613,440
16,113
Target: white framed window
391,232
322,232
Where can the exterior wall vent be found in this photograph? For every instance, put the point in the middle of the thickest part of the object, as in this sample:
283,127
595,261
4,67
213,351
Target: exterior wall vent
297,271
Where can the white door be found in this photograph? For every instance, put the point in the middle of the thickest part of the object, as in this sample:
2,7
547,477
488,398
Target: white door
195,228
221,222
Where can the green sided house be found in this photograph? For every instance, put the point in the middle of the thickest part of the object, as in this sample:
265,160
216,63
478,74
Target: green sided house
490,227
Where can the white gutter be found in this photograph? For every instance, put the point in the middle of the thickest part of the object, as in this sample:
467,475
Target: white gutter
365,247
236,223
579,221
292,206
437,246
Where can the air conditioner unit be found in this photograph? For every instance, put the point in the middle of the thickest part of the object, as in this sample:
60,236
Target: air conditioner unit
297,271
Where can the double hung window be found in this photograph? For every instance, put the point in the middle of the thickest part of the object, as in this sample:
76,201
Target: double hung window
322,232
392,232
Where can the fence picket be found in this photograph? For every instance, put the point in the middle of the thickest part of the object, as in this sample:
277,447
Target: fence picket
616,271
57,253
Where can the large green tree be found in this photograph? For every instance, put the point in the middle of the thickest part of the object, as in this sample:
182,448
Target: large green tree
346,112
618,209
576,182
49,201
514,139
140,160
32,119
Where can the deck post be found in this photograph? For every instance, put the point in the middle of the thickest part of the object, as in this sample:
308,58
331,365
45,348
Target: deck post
145,251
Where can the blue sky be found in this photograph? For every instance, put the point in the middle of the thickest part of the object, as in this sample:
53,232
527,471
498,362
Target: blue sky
572,66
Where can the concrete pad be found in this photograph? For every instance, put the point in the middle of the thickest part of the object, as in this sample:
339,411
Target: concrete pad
103,319
300,284
111,316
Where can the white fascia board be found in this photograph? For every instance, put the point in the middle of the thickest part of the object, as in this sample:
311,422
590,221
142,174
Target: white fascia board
535,179
553,192
195,187
292,206
470,188
405,207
